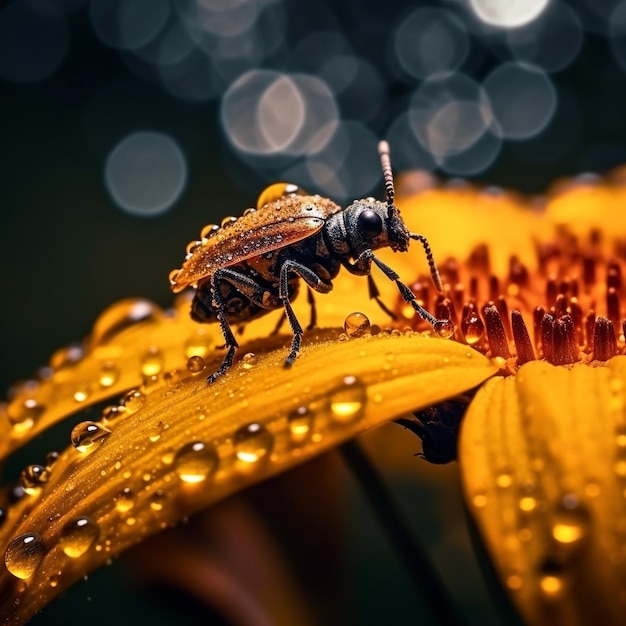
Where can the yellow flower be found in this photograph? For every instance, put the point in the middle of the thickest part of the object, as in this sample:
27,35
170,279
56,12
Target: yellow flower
540,448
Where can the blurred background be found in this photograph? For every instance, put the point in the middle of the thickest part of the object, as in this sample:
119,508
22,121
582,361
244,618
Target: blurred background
127,125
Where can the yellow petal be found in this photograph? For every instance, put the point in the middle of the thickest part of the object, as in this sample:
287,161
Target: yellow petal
543,461
191,444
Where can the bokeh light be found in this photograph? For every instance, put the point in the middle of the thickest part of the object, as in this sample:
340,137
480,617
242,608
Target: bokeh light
523,99
33,44
508,13
145,173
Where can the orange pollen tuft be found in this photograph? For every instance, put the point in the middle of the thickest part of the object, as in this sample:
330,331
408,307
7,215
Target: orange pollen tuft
568,310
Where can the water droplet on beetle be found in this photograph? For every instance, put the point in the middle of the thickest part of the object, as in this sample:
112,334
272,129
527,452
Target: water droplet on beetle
356,325
347,402
24,555
78,536
195,462
86,434
253,442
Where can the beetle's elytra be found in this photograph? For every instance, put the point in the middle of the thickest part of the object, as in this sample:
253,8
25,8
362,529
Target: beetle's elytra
252,265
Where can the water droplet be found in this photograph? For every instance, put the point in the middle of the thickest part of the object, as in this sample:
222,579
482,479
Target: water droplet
479,500
356,325
195,462
152,362
227,221
125,500
24,555
570,521
195,364
347,401
113,412
78,536
276,191
33,478
198,344
551,580
82,393
514,581
122,315
24,415
66,357
253,442
472,328
444,328
54,580
208,231
154,434
51,458
157,500
87,434
300,424
249,360
620,436
109,373
134,400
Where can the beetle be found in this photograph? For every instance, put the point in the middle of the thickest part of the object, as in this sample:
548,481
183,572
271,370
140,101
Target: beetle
251,265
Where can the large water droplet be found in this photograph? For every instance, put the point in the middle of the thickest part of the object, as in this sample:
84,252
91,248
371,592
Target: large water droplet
253,442
347,402
356,325
78,536
86,434
122,315
472,328
195,462
24,555
444,328
33,478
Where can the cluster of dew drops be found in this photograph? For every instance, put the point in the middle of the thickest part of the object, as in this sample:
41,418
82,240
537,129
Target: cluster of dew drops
194,463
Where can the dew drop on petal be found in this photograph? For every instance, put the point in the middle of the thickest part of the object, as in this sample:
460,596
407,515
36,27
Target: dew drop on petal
300,424
249,360
86,434
356,325
24,555
347,401
252,442
134,400
78,536
195,364
195,462
122,315
570,521
152,362
444,328
33,477
125,500
109,373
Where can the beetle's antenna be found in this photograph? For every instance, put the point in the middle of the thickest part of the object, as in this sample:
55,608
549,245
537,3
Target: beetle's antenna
385,161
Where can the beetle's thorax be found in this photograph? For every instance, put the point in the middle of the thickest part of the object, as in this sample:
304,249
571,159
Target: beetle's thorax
366,225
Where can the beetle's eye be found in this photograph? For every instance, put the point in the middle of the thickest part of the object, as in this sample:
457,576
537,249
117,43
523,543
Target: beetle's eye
369,223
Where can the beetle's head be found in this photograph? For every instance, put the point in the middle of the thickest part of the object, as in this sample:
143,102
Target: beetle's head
372,224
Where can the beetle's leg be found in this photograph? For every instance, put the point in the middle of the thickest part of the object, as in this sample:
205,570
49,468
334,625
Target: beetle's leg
375,295
229,338
434,271
313,281
313,311
407,295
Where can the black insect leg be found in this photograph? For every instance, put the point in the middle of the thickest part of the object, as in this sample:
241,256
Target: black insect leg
407,295
375,295
313,281
229,338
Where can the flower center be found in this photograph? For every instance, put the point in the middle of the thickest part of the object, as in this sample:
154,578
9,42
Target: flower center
565,311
